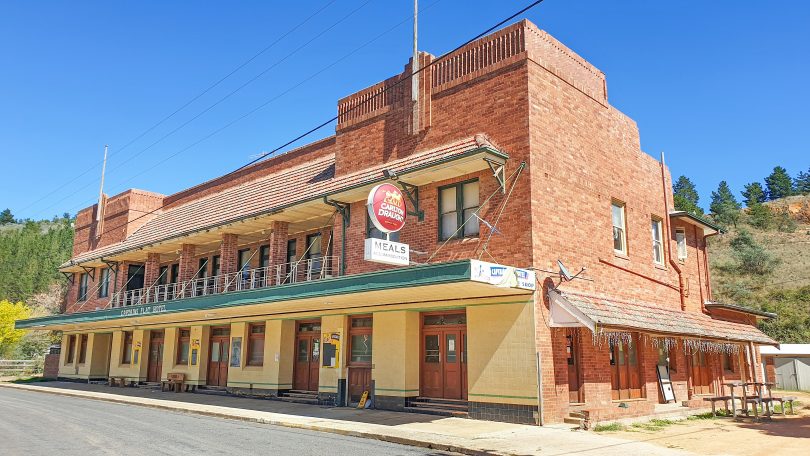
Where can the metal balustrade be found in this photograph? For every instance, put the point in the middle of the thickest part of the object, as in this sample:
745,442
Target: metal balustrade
245,279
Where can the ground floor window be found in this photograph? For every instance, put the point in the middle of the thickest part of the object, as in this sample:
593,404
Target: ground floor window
255,347
126,357
82,348
71,349
183,342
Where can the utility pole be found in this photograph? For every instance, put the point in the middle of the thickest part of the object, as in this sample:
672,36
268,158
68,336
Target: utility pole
415,69
100,207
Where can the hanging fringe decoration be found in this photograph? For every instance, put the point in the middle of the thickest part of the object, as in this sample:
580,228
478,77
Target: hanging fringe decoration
601,336
696,345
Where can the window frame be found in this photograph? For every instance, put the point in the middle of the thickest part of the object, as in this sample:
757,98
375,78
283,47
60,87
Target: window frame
251,336
240,266
104,283
71,346
459,210
264,256
625,248
181,338
83,287
680,243
728,363
373,232
658,244
127,342
83,341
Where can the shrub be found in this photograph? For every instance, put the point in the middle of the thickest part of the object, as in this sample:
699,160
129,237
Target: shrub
760,216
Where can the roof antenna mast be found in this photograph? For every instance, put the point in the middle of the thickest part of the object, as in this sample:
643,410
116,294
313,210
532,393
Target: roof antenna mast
100,209
414,70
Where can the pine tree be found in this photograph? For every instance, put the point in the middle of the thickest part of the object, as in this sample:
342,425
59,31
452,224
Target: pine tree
724,205
6,217
779,184
753,194
686,196
803,182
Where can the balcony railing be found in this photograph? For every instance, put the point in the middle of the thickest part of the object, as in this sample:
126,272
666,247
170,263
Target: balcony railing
246,279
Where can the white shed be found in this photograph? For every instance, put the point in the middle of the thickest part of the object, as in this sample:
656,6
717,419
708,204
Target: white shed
792,365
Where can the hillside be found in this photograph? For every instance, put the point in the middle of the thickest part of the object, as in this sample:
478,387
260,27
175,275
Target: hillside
768,269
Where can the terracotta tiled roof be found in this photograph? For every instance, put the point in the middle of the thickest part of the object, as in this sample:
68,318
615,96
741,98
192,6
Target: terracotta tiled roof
307,182
608,312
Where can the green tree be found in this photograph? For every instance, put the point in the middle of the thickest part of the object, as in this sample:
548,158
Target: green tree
6,217
802,182
686,196
724,205
779,184
760,216
753,194
9,337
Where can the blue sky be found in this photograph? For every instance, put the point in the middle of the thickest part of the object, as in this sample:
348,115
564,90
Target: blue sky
720,86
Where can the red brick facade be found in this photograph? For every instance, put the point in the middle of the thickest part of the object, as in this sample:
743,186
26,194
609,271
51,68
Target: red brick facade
544,106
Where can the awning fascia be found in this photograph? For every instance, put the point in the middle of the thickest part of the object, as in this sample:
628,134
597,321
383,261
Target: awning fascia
565,315
395,280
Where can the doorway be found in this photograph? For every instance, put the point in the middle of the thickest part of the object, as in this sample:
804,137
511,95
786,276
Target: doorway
218,357
155,364
572,341
701,377
360,329
444,356
307,355
624,369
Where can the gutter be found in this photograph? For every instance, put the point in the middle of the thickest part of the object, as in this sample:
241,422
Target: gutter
672,262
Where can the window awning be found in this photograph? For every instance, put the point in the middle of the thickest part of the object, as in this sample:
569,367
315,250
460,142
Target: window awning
605,313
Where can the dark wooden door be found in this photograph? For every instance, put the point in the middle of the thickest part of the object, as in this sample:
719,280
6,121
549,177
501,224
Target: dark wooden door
359,359
444,357
573,361
307,356
218,358
625,376
701,378
155,367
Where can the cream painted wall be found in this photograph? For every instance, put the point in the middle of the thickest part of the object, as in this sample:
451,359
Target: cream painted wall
501,356
328,377
170,348
133,371
395,353
96,358
276,371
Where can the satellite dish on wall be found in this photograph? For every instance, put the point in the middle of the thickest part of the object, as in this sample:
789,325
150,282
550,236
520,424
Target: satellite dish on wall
565,274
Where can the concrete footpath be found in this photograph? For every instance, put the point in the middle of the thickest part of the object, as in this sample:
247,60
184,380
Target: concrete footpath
446,434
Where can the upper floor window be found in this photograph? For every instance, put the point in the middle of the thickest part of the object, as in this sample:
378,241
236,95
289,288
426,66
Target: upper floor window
175,273
373,232
314,251
264,256
658,246
680,239
202,268
215,266
104,286
83,287
619,228
163,275
457,204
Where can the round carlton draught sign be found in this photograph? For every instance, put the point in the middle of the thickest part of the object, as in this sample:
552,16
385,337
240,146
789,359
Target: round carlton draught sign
386,207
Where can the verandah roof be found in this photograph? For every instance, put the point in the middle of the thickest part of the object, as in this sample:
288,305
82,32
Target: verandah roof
600,312
284,189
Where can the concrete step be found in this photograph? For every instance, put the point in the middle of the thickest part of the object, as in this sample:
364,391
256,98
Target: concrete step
212,390
437,411
575,421
301,395
462,406
299,400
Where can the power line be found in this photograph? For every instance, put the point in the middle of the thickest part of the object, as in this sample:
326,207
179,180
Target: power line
266,103
222,99
368,100
192,100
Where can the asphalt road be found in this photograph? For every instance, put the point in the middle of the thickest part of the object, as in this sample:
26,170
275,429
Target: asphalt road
45,424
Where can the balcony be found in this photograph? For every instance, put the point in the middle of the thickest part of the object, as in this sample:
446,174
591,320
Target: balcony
245,279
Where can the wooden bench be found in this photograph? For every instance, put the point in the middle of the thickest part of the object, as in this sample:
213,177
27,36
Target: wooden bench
715,399
782,401
118,381
175,381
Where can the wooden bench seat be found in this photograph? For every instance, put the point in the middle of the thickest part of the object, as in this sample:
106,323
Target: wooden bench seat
175,381
116,380
715,399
